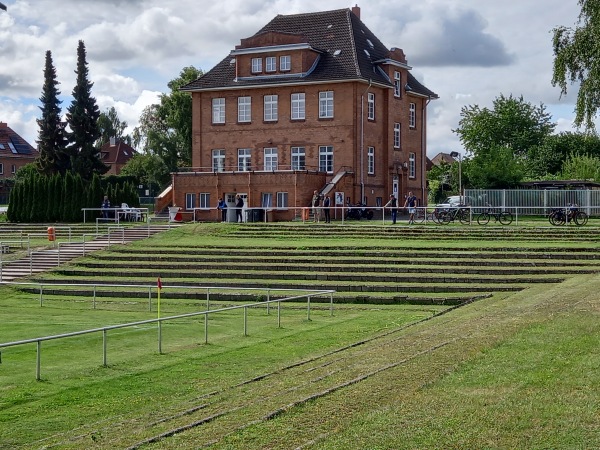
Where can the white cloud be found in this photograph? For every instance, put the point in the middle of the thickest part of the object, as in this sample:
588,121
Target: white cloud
467,51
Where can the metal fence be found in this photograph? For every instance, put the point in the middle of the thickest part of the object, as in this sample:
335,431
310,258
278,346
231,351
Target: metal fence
533,201
307,295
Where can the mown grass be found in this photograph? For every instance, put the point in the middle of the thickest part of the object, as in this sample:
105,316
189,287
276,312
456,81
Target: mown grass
516,370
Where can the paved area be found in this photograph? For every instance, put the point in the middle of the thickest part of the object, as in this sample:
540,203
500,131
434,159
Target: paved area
40,261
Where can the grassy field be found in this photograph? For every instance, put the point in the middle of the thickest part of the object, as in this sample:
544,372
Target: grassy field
514,370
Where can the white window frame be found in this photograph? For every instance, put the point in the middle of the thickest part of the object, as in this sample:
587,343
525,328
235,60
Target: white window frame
370,160
244,109
204,198
256,65
371,106
298,106
326,105
282,200
412,115
271,160
218,110
13,169
190,200
397,135
218,160
285,63
244,160
271,64
326,158
270,108
1,168
397,84
298,158
266,200
412,165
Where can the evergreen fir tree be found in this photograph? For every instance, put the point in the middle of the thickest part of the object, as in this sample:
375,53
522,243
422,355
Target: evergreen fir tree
82,116
51,137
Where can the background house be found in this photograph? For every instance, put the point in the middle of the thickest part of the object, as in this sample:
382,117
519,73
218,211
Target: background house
15,152
115,155
311,101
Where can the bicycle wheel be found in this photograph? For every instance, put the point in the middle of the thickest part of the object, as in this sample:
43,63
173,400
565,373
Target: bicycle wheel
446,217
483,219
505,218
557,219
419,216
581,218
464,215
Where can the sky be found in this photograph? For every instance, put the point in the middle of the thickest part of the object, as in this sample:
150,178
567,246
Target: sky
469,52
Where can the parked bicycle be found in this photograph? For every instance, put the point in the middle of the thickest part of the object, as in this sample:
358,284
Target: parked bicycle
450,215
569,214
504,217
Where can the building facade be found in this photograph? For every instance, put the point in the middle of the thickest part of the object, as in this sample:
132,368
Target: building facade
311,102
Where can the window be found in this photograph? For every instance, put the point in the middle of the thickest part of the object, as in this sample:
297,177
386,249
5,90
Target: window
12,147
270,64
270,158
244,159
371,106
218,110
371,160
397,84
298,106
244,109
412,165
218,160
282,200
1,168
266,200
270,108
326,159
396,135
256,65
190,201
13,169
412,115
285,63
205,200
326,105
298,158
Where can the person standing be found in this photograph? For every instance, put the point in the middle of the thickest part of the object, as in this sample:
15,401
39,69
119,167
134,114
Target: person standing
315,206
239,204
411,203
326,210
222,206
105,206
393,205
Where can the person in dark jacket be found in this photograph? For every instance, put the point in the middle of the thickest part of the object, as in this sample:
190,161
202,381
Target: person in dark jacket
393,205
239,204
326,210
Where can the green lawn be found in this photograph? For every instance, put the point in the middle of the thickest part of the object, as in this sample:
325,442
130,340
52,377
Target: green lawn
514,370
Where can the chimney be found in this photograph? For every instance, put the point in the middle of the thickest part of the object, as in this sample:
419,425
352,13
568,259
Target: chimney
356,11
113,141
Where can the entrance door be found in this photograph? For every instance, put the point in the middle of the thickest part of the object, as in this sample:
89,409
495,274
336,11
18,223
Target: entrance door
395,187
231,209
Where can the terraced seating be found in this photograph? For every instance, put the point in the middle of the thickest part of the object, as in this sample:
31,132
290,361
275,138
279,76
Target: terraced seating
443,274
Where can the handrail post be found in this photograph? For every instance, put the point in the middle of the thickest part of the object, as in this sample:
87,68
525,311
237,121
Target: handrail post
279,314
206,328
268,301
94,298
208,299
245,321
104,359
38,364
41,295
331,303
149,298
308,308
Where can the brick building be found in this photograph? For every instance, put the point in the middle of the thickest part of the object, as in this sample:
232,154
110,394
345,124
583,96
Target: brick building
115,155
15,152
311,101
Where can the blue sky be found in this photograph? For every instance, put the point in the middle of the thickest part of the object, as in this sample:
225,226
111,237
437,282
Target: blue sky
468,51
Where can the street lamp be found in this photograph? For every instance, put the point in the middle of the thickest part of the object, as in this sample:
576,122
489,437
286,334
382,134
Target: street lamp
455,155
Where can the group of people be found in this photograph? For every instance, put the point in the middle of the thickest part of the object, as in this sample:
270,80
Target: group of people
410,203
239,205
317,201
